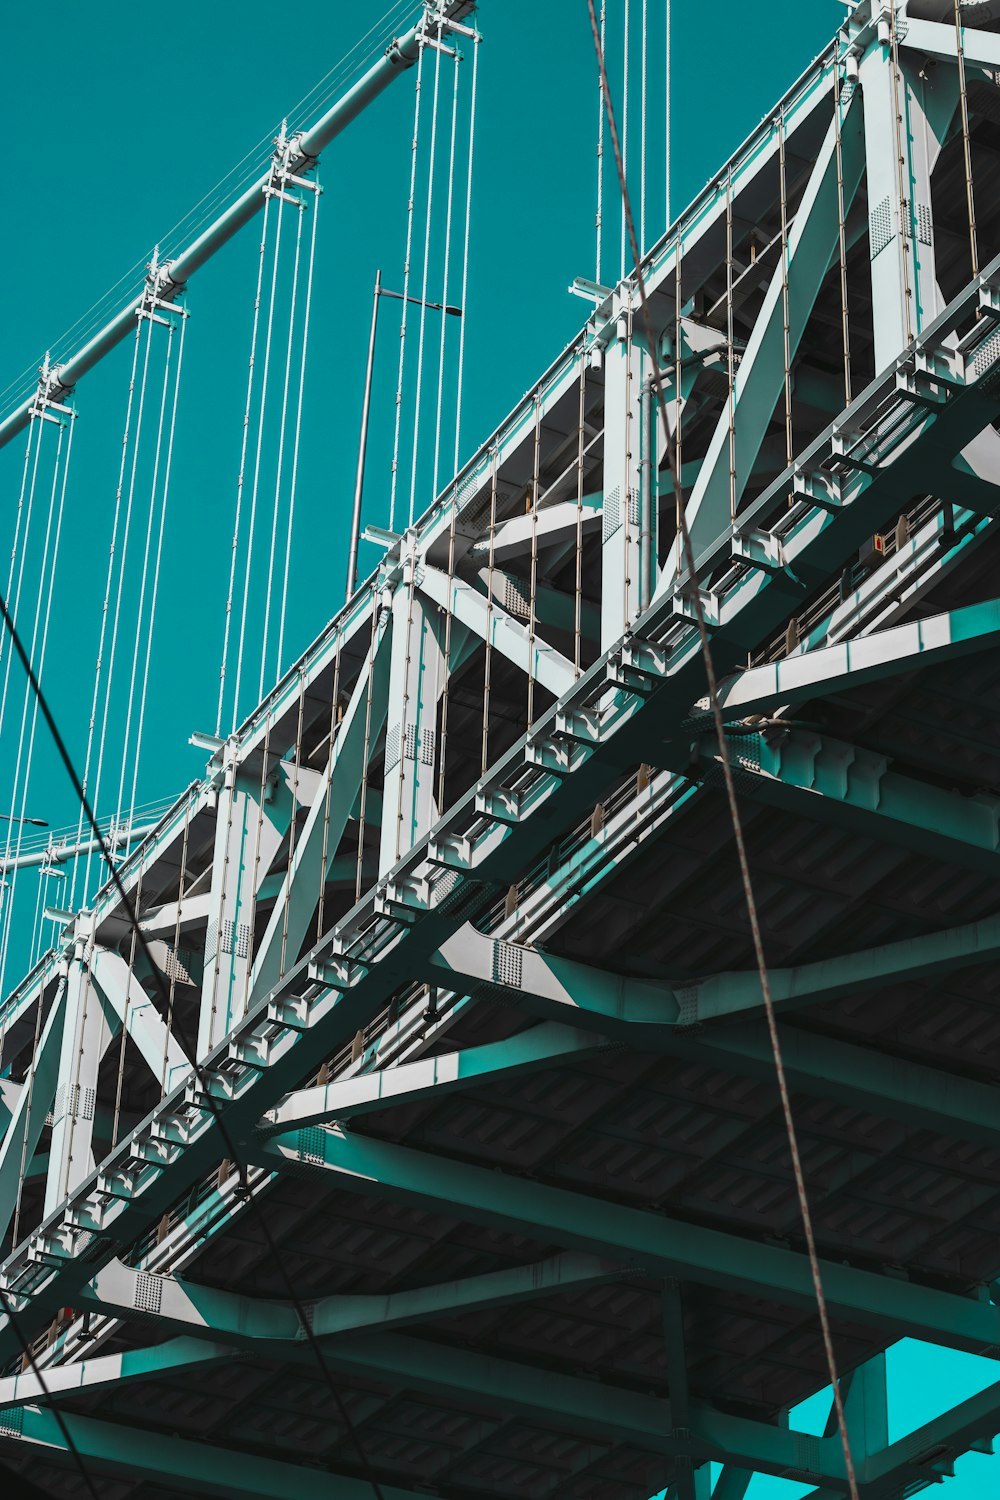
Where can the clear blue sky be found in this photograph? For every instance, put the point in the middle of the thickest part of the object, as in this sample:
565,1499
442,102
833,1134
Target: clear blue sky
117,125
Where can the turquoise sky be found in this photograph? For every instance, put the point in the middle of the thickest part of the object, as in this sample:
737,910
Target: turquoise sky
118,120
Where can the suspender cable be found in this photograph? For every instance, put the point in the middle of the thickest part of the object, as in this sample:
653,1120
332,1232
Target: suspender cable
265,768
465,247
734,813
845,320
296,770
367,752
730,347
282,432
46,589
228,1142
143,697
116,617
175,966
642,128
785,311
902,189
445,279
966,141
335,714
599,220
532,618
678,454
487,659
258,452
144,576
667,65
626,40
428,220
102,635
415,141
36,430
292,489
240,480
578,560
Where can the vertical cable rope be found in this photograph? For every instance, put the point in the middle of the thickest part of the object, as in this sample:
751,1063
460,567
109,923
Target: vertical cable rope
730,346
144,576
747,883
366,753
903,194
282,432
642,129
156,571
414,144
241,477
626,41
38,424
599,219
966,139
666,123
258,453
48,565
33,427
845,319
293,485
445,277
229,1145
487,659
116,616
578,569
459,378
785,307
102,634
334,750
428,221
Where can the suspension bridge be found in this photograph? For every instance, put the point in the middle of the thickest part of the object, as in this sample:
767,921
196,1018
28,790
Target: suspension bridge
557,1034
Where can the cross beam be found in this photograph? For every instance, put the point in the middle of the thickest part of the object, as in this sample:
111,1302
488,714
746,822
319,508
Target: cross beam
661,1245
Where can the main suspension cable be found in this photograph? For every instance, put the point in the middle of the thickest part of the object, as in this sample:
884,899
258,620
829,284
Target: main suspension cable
734,813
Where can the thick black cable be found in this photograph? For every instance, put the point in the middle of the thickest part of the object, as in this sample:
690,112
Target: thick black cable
191,1057
727,774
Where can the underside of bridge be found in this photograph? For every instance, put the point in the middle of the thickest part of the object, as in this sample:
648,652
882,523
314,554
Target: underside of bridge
479,1184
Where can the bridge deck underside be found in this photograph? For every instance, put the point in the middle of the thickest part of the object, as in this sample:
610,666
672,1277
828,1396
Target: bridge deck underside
672,1131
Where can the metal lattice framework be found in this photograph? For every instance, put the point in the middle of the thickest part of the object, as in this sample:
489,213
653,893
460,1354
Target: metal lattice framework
456,918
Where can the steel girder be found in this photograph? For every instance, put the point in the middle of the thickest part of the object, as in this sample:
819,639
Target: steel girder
899,438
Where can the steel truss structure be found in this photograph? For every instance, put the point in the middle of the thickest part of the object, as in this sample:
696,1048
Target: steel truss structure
456,918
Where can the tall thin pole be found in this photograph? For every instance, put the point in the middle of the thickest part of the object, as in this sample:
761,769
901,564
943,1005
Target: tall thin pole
359,481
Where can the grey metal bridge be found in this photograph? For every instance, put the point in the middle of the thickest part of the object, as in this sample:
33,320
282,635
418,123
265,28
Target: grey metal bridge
455,924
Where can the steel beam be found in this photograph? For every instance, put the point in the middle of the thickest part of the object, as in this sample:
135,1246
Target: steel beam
661,1245
629,1008
248,834
526,650
85,1035
28,1116
183,1306
792,291
852,663
203,1468
126,997
538,1047
298,891
826,780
